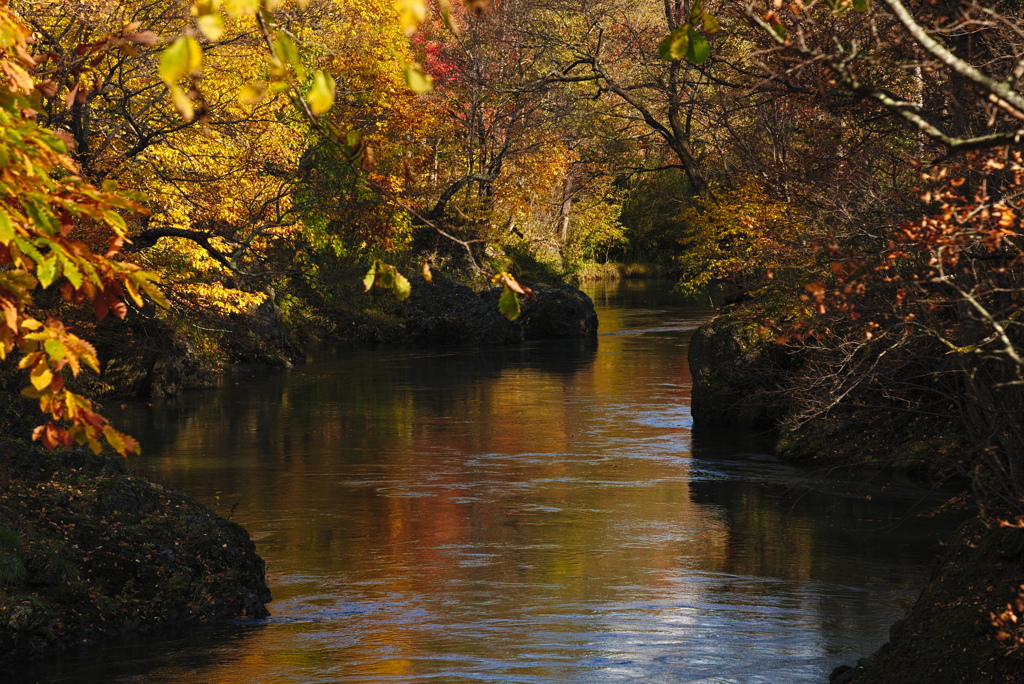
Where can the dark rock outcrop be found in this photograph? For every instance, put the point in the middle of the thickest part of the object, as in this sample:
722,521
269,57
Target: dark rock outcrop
142,356
145,356
732,369
445,312
968,623
87,550
558,312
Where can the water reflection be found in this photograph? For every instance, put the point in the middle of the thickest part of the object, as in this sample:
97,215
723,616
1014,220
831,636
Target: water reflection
534,514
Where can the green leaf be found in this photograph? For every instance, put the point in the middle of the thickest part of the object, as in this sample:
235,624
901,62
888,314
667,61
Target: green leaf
698,50
860,5
401,287
371,277
70,270
55,349
321,96
387,276
6,227
696,10
42,217
46,271
55,144
675,44
418,81
508,303
28,248
182,58
781,31
288,52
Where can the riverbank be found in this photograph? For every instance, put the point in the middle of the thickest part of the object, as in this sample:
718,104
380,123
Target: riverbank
87,550
155,354
966,624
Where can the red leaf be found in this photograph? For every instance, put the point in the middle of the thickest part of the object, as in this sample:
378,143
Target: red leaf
142,38
101,307
72,95
115,245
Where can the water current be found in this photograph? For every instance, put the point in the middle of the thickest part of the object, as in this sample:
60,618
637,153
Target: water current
542,514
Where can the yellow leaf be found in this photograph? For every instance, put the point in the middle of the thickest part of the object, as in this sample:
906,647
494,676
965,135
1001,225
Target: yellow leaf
242,7
401,287
182,58
41,376
29,360
418,81
133,291
251,93
183,103
288,52
211,25
321,96
115,439
411,15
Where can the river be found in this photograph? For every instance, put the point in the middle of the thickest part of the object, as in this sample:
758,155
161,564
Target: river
543,513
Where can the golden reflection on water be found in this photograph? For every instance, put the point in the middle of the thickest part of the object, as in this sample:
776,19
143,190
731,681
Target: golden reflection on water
522,514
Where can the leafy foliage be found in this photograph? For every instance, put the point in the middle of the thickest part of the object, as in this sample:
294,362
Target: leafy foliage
44,200
744,239
686,42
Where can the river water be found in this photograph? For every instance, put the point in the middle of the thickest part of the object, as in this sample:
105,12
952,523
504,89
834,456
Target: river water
543,513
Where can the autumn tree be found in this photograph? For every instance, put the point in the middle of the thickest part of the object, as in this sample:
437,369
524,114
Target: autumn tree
921,309
46,207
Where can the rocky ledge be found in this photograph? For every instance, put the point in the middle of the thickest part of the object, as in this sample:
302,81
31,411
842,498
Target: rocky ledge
87,550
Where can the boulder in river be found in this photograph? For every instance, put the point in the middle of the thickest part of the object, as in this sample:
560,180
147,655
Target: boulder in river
732,368
445,312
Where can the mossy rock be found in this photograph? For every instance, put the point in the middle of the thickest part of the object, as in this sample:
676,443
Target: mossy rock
86,549
891,439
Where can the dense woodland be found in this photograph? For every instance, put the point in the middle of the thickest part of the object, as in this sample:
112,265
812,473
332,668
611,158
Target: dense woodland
847,174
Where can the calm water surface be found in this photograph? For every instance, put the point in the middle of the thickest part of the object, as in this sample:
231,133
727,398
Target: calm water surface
539,514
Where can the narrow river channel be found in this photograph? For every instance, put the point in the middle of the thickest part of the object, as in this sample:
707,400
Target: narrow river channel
541,514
